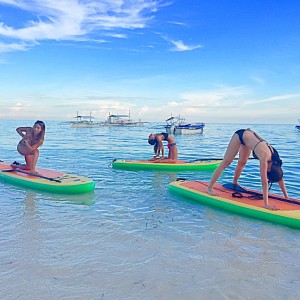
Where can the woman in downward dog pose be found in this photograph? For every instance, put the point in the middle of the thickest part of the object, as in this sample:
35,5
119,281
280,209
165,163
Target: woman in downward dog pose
156,140
32,139
243,142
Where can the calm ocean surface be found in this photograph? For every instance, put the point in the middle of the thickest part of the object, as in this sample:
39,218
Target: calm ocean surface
131,238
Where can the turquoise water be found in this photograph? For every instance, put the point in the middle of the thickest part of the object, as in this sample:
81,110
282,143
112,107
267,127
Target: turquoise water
131,238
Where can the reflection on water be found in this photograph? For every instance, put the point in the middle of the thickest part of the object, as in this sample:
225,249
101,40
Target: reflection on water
81,199
131,238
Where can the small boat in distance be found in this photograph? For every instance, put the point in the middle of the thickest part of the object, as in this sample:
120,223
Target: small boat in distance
178,125
121,120
84,122
298,126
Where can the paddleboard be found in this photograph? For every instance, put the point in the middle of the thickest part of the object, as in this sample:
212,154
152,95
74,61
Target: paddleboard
244,203
180,165
46,180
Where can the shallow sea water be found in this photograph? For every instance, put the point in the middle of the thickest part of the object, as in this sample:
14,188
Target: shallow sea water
131,238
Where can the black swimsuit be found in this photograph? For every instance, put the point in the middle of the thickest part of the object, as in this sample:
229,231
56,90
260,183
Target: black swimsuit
259,141
240,133
275,156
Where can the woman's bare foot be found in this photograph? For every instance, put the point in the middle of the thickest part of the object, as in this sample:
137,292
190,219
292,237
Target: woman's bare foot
236,183
154,158
15,165
271,207
211,192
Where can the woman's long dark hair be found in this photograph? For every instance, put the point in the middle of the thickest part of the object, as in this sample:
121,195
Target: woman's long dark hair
41,135
275,174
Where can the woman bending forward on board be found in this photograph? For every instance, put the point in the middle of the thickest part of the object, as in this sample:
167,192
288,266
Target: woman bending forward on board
32,139
244,141
157,141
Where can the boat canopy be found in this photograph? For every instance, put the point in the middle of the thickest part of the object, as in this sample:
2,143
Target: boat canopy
119,116
84,117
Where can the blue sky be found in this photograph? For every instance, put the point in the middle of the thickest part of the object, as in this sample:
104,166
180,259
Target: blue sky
210,61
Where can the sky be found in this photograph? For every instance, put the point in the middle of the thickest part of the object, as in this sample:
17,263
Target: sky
219,61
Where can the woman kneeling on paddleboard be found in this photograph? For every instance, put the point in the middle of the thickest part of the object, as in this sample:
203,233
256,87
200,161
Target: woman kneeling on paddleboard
32,139
156,140
243,142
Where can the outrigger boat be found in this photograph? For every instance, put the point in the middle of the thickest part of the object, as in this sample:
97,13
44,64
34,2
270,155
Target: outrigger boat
84,122
178,125
121,120
298,126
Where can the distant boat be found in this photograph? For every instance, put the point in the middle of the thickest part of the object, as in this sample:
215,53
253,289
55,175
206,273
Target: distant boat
121,120
84,122
178,125
298,126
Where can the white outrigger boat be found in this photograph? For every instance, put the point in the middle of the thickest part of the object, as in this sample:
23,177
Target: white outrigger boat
298,126
84,122
121,120
112,120
178,125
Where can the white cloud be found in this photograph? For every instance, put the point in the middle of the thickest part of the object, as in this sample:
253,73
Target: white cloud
259,80
9,47
274,99
232,104
18,107
116,35
11,2
180,46
177,23
72,20
222,96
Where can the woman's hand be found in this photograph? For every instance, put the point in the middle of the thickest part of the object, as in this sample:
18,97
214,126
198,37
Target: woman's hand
27,145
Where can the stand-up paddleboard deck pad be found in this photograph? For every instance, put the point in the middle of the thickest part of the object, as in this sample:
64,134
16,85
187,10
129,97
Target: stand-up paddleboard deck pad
248,202
180,165
46,180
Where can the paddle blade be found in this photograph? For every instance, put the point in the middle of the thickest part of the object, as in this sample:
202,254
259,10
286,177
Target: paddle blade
234,187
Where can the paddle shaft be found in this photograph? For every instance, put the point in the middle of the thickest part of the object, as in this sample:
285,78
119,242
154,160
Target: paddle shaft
28,173
204,159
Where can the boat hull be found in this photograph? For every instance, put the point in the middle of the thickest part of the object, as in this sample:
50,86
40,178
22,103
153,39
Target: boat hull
180,130
85,125
193,128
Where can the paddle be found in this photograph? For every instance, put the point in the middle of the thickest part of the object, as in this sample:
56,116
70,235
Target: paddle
204,159
237,188
36,175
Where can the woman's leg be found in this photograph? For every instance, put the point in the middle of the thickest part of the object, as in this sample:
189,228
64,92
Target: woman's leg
28,159
231,151
34,160
244,154
173,153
